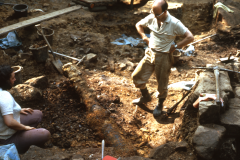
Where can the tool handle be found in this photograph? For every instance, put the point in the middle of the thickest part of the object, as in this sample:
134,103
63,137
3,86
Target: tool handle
1,3
66,56
200,68
103,146
173,108
202,39
216,72
170,110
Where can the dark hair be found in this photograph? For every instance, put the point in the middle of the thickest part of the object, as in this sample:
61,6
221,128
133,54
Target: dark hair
164,6
5,75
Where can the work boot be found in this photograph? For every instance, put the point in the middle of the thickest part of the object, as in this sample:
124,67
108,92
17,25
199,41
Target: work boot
158,110
144,98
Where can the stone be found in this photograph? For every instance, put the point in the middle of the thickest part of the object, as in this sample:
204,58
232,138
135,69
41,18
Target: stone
25,93
111,64
126,54
237,92
38,152
130,65
5,58
209,112
104,67
166,150
122,66
38,82
74,37
207,82
231,118
59,156
77,157
91,57
55,136
175,72
46,5
207,140
88,39
156,143
181,146
234,103
81,51
71,4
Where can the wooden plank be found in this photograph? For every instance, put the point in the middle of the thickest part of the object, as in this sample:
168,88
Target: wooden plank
38,19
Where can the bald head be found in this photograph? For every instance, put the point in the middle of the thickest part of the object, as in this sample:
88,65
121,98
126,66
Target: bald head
160,4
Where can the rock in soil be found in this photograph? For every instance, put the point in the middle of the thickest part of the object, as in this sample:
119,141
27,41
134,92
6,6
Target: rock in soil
207,140
24,92
230,119
38,82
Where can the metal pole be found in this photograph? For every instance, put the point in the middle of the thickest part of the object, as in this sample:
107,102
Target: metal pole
131,4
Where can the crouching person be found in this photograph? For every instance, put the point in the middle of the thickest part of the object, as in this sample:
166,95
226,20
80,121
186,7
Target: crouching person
17,125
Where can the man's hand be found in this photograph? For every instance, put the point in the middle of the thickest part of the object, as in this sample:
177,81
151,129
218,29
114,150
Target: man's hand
29,128
26,111
146,39
172,49
141,32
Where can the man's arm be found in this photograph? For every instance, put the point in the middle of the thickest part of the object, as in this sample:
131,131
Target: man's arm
141,32
188,39
13,124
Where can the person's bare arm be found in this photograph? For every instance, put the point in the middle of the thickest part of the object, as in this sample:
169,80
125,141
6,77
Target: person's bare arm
13,124
188,39
141,32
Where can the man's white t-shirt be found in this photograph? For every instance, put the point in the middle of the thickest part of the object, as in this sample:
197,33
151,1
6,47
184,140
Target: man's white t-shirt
161,38
8,106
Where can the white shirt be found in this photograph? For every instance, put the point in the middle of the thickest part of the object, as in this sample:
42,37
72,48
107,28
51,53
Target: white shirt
161,38
8,106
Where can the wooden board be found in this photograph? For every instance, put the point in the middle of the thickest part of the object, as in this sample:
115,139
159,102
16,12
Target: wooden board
37,19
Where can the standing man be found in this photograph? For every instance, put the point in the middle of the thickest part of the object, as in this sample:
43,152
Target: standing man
158,56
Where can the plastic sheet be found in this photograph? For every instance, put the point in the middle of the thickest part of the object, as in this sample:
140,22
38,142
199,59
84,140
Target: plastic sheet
125,40
187,85
189,51
9,152
12,40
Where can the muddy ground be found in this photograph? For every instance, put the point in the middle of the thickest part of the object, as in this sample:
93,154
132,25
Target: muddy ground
82,32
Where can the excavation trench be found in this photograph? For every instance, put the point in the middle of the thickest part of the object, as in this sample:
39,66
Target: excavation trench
98,117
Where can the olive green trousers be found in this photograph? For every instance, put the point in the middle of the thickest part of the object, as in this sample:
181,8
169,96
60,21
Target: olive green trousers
157,62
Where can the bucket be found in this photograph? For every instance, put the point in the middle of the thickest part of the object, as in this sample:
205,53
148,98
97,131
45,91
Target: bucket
18,74
176,55
40,54
48,34
21,10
